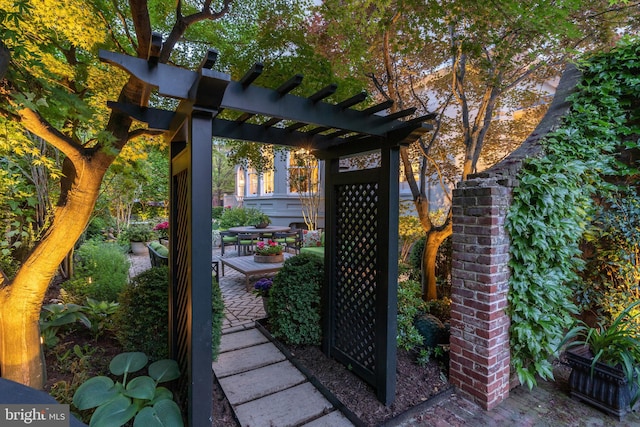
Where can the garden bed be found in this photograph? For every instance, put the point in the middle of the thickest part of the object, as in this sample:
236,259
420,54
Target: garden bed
416,387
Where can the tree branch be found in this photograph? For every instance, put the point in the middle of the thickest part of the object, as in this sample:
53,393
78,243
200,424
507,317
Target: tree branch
183,22
36,124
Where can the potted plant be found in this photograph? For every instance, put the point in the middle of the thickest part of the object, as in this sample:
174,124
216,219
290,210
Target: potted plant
262,288
605,362
162,229
268,252
138,234
257,218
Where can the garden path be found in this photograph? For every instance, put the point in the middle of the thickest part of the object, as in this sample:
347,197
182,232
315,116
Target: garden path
546,405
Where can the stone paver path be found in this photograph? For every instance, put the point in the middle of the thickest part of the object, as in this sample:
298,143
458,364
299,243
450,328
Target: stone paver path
264,389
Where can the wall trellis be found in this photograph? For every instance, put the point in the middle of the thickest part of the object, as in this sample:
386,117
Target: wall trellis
360,261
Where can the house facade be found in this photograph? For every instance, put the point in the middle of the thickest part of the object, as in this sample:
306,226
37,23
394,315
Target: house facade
279,192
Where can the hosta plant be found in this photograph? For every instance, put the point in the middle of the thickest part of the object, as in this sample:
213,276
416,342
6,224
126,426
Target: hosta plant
118,402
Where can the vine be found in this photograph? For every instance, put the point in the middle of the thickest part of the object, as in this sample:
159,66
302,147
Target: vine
553,205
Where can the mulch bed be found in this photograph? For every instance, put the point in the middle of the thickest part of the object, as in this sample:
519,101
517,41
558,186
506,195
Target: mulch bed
415,384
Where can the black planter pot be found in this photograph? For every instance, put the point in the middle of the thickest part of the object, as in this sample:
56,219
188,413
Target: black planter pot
605,387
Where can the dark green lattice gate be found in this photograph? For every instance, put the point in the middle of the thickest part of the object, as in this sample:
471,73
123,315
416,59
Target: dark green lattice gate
360,299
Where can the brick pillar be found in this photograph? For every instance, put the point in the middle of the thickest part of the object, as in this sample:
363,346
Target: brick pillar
479,356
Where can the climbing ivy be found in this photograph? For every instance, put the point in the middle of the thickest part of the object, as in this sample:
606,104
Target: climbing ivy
553,204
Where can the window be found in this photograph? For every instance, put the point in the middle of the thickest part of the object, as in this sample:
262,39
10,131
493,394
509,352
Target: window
267,182
240,183
303,172
253,182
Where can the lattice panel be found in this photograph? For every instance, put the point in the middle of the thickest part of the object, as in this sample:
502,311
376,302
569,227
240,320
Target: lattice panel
182,291
356,235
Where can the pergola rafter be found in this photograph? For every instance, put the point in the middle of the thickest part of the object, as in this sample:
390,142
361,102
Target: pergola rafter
361,206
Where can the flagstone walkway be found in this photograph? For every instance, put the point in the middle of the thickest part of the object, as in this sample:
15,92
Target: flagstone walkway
266,390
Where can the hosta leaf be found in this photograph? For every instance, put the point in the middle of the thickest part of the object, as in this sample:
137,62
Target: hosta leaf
114,413
94,392
165,413
128,362
141,388
164,370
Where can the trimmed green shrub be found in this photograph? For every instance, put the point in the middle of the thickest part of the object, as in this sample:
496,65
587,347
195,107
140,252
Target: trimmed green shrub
294,301
217,306
410,304
101,272
141,321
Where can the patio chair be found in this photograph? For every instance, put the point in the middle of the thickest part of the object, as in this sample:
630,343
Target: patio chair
227,238
246,242
290,239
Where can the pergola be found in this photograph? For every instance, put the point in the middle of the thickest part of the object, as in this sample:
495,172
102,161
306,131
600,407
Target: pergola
359,299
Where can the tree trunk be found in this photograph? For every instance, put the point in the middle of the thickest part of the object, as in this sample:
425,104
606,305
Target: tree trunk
432,244
21,357
20,349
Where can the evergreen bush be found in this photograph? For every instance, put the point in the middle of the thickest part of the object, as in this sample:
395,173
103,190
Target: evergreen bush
294,301
101,272
410,305
141,322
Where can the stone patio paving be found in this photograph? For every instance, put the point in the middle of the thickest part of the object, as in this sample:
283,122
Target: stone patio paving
546,405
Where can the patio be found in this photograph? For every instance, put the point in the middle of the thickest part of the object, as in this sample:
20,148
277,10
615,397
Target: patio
548,404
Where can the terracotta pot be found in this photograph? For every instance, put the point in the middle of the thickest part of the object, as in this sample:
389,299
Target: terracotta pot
268,258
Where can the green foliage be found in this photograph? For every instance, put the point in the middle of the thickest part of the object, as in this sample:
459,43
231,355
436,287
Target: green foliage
294,301
216,212
141,321
101,271
410,304
55,316
140,232
416,254
553,204
441,308
100,313
616,344
118,402
217,307
237,217
612,273
76,361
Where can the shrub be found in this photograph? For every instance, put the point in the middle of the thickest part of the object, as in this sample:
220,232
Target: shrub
217,306
294,301
141,321
234,217
216,212
101,272
138,232
410,304
415,256
612,274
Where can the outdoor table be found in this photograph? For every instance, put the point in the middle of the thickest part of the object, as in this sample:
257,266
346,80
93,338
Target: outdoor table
252,229
247,266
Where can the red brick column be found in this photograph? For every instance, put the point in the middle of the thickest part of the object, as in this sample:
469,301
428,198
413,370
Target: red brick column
480,357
